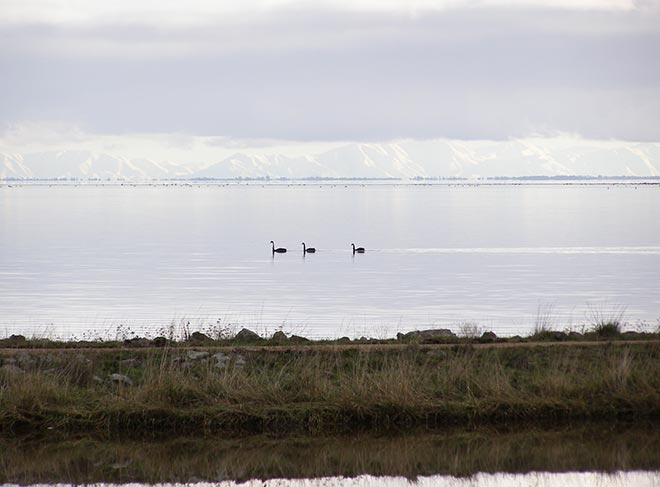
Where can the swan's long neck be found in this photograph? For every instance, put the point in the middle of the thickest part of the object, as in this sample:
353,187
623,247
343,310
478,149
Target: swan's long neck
273,246
303,246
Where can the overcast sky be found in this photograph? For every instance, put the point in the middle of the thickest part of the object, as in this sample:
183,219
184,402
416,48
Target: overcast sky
318,71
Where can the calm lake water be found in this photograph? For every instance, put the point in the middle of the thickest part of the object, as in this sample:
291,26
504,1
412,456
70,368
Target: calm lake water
581,479
604,455
92,259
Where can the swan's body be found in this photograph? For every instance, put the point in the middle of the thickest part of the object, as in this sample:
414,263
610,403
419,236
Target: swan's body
358,250
279,250
308,250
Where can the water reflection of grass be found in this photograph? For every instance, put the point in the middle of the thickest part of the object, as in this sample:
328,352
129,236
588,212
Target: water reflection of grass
322,391
594,447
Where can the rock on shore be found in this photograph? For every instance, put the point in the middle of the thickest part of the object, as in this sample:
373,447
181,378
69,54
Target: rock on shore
426,336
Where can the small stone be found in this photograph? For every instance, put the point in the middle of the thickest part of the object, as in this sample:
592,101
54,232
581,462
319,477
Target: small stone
221,360
246,335
130,363
197,354
57,358
239,361
488,337
298,339
427,336
279,336
137,342
24,360
10,369
159,342
97,379
199,337
559,336
120,379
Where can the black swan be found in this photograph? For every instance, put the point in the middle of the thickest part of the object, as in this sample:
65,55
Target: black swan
279,250
309,250
359,250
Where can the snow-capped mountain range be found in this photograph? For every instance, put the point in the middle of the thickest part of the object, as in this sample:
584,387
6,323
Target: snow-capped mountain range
404,160
85,165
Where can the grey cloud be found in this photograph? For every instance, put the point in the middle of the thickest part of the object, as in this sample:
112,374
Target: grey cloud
242,143
353,76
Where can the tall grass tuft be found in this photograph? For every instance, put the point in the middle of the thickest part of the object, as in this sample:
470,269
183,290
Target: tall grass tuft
607,323
543,323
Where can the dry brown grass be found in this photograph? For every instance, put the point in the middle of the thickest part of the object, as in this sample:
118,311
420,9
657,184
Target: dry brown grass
328,390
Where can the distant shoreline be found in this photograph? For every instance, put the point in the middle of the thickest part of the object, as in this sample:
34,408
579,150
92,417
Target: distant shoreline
413,180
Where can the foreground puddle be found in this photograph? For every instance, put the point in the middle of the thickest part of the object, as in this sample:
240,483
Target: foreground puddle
592,455
536,479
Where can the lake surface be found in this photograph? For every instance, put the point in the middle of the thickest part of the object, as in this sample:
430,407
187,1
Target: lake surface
579,479
611,454
111,260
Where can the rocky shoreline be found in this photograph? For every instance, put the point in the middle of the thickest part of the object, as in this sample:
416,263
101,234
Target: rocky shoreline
603,332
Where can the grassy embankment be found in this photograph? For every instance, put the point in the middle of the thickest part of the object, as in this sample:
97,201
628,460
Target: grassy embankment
324,390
